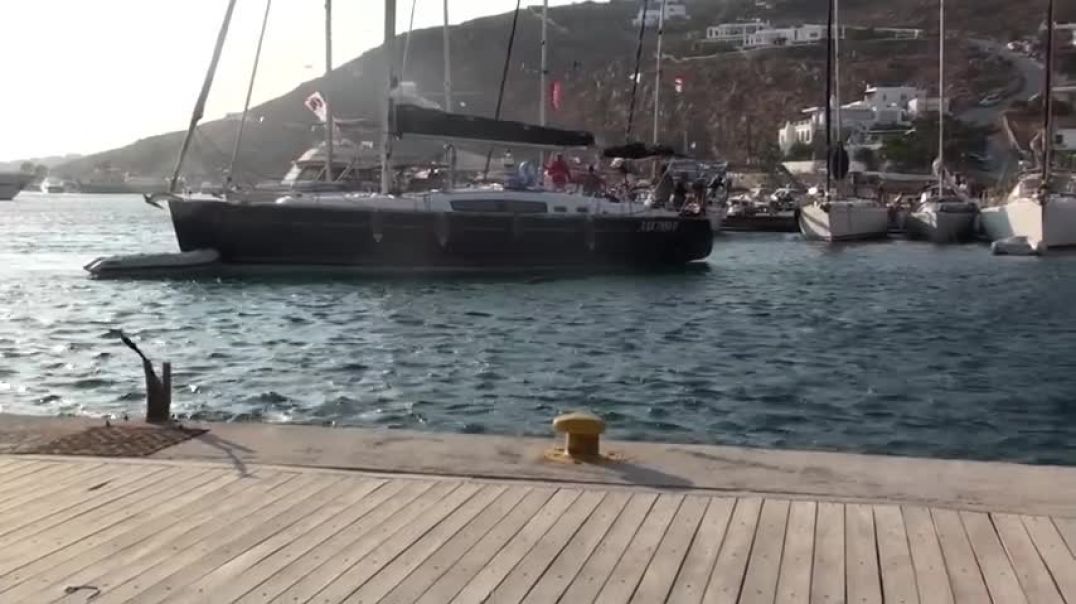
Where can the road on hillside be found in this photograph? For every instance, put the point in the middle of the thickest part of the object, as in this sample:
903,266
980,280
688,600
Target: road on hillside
1003,158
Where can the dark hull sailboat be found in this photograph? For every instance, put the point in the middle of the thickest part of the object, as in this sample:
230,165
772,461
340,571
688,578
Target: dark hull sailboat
480,229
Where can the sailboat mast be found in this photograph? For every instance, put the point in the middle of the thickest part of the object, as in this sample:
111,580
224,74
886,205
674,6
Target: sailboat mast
328,106
544,82
829,97
386,110
199,105
837,70
657,71
448,61
250,92
1048,99
941,97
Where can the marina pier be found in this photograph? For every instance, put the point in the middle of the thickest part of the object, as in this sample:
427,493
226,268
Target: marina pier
247,512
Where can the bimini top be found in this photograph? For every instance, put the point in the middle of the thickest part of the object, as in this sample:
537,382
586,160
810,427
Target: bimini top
412,120
640,151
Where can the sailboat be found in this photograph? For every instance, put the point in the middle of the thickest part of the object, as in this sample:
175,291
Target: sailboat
944,215
1041,208
515,225
832,216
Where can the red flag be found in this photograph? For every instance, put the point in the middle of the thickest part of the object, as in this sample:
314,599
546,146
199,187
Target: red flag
555,94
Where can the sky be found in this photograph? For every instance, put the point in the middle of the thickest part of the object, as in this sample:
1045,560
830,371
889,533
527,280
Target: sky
80,76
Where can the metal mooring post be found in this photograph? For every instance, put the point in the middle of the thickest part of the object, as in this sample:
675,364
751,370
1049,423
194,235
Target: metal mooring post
158,389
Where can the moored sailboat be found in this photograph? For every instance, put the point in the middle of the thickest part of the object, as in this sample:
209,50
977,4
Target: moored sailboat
833,216
944,215
1041,207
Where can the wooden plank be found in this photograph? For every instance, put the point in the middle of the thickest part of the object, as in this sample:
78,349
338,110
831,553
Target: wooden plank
46,481
1000,577
482,585
194,561
794,582
1059,560
230,576
633,563
396,573
519,581
1067,528
396,543
476,558
964,574
121,481
894,556
695,572
931,576
827,576
433,567
861,555
304,588
660,575
54,567
130,563
575,554
79,478
727,577
764,564
116,508
24,468
388,500
1034,578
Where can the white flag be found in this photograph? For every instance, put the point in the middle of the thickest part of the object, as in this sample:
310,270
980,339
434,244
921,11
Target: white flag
317,104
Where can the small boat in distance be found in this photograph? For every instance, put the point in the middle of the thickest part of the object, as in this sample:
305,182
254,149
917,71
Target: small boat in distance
52,186
11,183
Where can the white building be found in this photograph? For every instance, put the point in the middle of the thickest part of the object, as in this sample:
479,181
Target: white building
735,33
786,36
1065,140
921,106
674,10
882,108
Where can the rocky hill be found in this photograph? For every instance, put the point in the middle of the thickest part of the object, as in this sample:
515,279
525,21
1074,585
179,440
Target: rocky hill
731,107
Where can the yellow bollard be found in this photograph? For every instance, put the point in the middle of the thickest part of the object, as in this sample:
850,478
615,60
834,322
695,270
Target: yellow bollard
582,432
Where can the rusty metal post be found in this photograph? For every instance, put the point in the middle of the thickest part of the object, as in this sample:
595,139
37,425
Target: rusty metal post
158,393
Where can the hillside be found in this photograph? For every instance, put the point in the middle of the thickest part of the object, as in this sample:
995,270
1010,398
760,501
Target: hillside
732,105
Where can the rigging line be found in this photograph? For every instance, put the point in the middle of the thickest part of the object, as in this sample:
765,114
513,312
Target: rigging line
638,60
504,79
250,91
407,43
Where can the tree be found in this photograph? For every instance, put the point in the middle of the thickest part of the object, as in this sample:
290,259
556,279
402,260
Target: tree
27,167
867,157
41,171
800,151
916,149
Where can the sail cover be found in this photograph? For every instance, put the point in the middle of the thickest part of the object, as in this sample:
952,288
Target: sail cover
420,121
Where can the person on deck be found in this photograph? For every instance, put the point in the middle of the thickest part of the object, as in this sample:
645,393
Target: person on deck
559,172
680,190
592,183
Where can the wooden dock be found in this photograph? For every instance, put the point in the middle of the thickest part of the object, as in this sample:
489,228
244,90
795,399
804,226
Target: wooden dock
101,531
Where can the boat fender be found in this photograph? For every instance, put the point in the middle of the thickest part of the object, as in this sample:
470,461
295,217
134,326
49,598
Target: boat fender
377,224
443,230
589,234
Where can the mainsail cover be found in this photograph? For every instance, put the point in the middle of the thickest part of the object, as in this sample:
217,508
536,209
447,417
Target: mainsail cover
420,121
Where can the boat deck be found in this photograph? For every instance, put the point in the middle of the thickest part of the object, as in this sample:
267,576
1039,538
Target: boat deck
105,530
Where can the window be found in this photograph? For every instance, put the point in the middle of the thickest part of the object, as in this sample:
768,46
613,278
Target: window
509,206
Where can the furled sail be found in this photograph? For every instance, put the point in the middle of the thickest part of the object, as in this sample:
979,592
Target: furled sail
419,121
